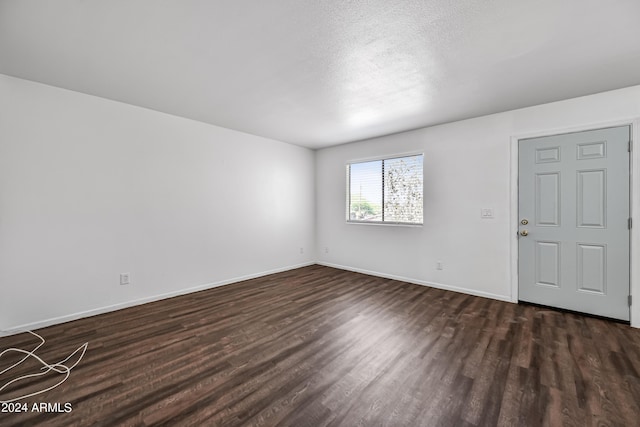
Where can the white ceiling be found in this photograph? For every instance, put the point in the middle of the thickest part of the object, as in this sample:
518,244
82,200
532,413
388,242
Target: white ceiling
318,73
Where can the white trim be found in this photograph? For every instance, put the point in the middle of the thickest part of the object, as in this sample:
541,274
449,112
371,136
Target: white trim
627,121
634,122
127,304
419,282
387,157
635,217
386,224
513,219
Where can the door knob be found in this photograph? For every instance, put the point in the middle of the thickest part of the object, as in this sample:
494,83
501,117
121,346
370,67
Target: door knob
524,233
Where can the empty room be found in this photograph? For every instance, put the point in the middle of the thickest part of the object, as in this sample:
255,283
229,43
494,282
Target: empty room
319,213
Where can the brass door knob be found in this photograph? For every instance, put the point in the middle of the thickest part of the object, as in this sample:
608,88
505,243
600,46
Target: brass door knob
524,233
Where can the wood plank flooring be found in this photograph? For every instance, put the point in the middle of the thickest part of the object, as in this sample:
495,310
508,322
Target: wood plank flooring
318,346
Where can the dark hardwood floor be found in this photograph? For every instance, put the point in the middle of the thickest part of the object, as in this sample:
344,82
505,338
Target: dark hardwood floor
324,347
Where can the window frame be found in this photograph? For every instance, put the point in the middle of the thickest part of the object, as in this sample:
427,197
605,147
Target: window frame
382,159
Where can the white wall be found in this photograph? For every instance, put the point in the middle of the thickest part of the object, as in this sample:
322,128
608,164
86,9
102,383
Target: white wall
90,188
468,166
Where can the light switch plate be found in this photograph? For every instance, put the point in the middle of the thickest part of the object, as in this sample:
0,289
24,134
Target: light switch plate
486,213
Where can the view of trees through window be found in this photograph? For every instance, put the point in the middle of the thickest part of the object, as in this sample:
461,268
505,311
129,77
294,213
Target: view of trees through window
388,190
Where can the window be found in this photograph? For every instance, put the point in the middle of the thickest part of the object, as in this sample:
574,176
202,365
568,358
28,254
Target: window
385,191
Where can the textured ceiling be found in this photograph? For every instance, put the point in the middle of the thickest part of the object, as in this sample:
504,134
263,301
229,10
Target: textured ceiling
319,73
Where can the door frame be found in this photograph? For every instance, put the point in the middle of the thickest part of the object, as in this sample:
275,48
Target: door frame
634,203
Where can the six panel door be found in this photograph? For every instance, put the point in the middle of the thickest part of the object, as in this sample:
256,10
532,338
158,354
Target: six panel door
573,250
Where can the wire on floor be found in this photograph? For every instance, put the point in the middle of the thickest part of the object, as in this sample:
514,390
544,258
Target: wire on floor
58,367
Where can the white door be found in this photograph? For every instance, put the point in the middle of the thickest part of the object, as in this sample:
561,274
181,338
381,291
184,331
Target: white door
573,196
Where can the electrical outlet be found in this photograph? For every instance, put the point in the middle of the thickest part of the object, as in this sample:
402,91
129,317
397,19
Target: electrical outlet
439,265
326,249
125,278
301,250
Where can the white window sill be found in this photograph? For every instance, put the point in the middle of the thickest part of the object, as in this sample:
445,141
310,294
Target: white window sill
385,224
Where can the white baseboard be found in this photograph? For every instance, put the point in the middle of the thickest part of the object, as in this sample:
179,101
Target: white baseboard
106,309
468,291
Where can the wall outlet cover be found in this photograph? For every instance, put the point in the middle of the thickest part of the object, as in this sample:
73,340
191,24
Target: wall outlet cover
125,278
